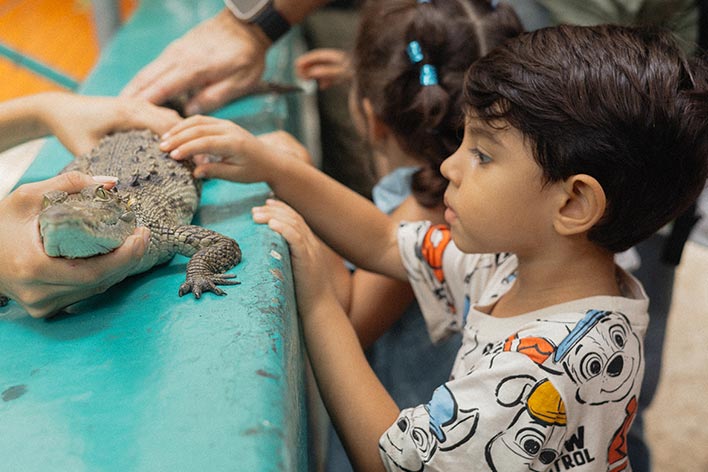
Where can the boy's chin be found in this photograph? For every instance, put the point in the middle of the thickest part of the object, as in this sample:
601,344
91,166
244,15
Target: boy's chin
469,245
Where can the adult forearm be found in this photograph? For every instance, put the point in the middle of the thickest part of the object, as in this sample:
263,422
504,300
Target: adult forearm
22,120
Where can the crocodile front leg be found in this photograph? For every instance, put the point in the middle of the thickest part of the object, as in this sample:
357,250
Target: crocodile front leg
212,254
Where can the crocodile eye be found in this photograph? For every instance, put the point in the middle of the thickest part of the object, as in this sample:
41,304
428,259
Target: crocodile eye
101,193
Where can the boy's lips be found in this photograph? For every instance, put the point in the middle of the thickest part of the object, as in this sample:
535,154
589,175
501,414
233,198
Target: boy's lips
450,215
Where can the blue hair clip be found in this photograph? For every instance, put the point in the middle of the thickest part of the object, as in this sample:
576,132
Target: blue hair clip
425,1
415,53
428,75
494,3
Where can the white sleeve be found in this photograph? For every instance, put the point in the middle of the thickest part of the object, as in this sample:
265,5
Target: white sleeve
443,278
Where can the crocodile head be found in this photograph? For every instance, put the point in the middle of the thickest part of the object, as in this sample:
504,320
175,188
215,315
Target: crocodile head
94,221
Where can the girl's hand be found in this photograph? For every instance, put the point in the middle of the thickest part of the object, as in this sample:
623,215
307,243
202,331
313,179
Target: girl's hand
80,122
312,283
327,66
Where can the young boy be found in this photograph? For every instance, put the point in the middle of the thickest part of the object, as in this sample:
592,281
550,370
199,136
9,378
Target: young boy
578,143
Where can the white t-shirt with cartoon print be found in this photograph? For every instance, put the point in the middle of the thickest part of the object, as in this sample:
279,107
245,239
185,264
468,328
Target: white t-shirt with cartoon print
555,389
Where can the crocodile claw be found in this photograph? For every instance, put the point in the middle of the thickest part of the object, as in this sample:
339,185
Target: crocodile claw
206,283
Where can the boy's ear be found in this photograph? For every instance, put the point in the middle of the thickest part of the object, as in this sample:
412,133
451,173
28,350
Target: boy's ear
375,128
583,204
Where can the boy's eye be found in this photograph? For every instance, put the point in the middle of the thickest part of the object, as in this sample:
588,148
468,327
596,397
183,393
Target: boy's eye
480,156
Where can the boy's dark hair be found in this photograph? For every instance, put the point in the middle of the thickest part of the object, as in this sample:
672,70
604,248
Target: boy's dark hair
426,119
620,104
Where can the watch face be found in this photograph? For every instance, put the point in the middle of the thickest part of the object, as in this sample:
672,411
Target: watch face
246,9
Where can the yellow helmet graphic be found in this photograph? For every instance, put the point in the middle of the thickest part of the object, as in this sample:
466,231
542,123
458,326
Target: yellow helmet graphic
545,404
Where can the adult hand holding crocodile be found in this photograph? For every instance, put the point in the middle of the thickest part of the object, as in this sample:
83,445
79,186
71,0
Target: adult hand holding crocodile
41,284
220,59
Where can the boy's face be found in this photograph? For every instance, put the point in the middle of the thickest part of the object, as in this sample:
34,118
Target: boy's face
496,200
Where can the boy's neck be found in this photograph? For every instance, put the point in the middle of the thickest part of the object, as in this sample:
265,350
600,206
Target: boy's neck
559,276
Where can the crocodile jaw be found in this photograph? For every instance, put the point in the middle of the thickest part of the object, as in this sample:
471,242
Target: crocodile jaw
84,227
72,240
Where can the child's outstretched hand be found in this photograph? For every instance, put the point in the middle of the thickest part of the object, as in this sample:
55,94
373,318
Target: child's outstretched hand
327,66
312,284
243,157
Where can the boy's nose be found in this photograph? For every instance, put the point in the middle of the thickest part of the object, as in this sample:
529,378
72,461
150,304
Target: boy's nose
447,168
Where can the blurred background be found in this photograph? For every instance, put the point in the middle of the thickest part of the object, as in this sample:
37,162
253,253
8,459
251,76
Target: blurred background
53,44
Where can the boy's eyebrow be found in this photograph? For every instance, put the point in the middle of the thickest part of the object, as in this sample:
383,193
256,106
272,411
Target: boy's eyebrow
483,132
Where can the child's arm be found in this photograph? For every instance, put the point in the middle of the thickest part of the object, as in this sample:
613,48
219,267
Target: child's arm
347,222
360,407
377,302
78,121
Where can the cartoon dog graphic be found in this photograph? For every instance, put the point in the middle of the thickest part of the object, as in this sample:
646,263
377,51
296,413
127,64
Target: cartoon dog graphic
449,426
602,355
534,439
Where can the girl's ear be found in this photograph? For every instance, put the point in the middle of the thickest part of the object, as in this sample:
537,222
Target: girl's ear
376,129
583,204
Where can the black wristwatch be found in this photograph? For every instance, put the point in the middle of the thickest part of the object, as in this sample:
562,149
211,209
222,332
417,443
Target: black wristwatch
261,13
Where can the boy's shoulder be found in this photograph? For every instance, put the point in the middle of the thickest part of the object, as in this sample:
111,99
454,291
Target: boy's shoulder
559,392
593,342
600,347
572,377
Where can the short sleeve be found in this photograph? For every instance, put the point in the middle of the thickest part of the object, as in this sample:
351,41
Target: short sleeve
443,278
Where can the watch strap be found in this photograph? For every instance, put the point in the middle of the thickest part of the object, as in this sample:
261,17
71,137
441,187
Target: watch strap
271,22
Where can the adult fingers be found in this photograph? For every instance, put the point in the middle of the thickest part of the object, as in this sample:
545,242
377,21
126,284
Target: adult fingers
116,265
157,118
215,96
159,82
69,182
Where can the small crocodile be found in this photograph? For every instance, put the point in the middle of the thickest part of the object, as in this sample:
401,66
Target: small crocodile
153,190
